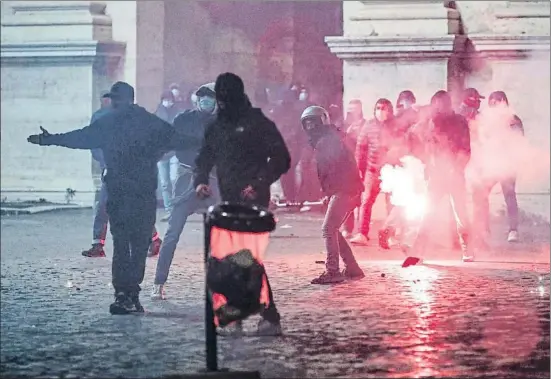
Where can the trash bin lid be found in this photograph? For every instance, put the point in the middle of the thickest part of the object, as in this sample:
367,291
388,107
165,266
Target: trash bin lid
241,218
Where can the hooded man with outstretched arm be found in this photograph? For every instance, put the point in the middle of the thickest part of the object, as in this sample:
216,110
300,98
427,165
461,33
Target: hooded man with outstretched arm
132,141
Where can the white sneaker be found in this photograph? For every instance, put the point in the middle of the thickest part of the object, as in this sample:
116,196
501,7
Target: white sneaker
158,292
345,234
513,236
359,239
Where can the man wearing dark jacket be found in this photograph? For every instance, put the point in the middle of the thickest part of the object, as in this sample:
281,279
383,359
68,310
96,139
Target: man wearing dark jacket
101,218
249,154
449,152
132,141
342,187
374,143
191,124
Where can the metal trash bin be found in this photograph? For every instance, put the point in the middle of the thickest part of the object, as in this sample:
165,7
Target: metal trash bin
236,238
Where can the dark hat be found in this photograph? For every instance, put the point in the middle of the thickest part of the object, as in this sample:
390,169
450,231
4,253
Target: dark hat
104,94
498,96
206,90
121,91
472,93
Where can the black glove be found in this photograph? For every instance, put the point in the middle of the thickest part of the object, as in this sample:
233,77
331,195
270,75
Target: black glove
38,139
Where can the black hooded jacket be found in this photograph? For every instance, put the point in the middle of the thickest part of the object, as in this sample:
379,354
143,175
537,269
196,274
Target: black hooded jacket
132,141
247,149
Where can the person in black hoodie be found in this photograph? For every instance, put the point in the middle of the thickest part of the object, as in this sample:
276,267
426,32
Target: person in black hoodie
249,154
341,184
132,141
449,151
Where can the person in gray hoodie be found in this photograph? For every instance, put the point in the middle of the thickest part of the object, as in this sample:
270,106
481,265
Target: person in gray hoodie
190,124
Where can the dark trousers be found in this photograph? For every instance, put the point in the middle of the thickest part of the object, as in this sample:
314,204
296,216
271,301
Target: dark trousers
132,217
481,204
372,185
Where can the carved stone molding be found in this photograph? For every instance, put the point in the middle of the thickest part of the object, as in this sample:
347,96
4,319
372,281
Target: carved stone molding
99,54
394,18
56,20
504,47
391,48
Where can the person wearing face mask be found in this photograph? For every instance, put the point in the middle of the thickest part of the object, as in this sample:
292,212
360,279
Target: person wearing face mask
449,151
249,154
190,124
168,165
511,129
179,103
406,110
342,188
375,140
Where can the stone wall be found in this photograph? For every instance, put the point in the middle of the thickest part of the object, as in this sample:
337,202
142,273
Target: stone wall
55,61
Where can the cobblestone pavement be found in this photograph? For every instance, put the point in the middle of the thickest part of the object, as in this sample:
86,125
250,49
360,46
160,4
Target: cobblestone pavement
446,318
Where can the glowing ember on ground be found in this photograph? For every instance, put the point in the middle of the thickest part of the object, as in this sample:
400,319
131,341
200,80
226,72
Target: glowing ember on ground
407,186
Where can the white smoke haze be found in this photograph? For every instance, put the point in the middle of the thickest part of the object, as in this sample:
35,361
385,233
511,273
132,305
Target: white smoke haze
500,152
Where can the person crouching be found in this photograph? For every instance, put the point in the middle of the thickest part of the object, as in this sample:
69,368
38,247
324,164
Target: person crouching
341,184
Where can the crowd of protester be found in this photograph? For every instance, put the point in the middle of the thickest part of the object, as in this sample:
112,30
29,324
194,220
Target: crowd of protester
212,144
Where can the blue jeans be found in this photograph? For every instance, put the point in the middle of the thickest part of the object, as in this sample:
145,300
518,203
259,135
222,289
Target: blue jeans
339,209
481,194
101,218
168,172
185,203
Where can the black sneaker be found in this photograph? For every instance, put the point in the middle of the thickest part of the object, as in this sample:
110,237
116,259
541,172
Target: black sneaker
329,278
155,248
135,298
355,273
123,305
96,251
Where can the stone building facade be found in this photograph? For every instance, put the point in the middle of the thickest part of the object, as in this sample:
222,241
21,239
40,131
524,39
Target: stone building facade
58,55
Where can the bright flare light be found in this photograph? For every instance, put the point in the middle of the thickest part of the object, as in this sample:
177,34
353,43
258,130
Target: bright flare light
407,186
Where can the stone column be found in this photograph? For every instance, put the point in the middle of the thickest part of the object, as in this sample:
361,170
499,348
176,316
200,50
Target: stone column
388,47
56,58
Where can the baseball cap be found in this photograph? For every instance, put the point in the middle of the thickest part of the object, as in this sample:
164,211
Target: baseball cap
472,93
121,90
104,94
206,90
